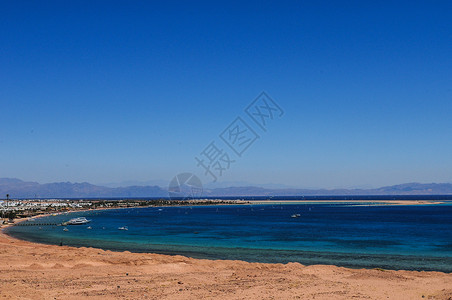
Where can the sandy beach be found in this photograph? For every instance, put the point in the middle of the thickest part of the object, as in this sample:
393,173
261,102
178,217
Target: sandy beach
37,271
361,202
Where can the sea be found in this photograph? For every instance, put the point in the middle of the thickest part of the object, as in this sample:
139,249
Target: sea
348,234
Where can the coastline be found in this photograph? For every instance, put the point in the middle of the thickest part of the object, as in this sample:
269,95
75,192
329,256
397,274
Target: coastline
59,212
239,202
370,202
39,271
309,257
65,272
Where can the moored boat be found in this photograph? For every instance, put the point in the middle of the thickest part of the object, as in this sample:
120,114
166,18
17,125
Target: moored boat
77,221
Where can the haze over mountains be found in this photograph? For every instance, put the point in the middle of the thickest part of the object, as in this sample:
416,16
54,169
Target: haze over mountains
17,188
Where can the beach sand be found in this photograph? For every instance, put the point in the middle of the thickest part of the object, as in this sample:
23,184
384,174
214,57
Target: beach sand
359,202
36,271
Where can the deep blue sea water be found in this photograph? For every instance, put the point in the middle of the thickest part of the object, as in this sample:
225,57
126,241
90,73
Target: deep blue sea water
410,237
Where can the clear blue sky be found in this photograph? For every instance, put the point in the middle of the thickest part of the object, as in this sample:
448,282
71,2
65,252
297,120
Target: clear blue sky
106,91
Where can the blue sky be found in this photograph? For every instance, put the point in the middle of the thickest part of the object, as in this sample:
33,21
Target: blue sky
106,91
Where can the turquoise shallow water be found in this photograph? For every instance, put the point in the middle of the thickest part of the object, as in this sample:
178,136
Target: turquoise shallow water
345,234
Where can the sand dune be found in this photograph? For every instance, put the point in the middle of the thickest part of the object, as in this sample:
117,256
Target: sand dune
35,271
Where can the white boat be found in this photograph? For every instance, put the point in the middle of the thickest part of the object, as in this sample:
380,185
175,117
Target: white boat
77,221
123,228
89,227
295,216
65,229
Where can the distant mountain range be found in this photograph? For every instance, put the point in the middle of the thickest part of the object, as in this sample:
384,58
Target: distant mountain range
401,189
17,188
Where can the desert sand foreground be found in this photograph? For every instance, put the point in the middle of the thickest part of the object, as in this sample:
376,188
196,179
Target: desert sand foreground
35,271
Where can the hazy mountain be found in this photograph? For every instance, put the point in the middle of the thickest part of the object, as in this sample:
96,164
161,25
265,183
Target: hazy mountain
227,184
21,189
210,185
401,189
159,182
17,188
